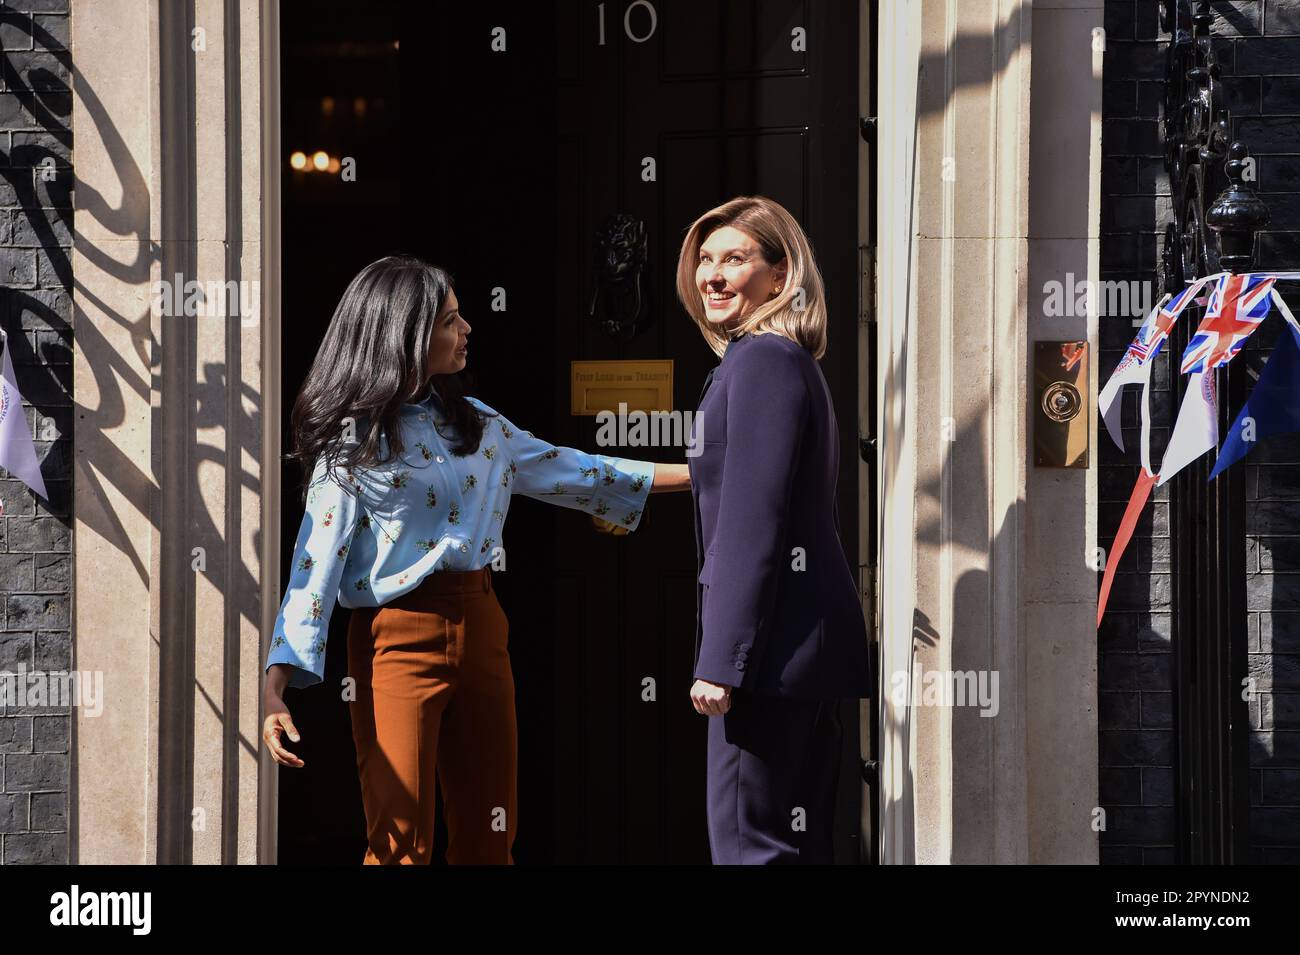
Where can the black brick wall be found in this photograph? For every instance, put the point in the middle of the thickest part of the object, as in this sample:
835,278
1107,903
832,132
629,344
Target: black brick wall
1259,47
36,309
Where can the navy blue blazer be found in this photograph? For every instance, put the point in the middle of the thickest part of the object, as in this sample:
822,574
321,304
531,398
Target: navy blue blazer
770,618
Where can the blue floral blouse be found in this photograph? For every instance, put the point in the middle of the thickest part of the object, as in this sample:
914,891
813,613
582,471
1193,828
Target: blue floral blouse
372,534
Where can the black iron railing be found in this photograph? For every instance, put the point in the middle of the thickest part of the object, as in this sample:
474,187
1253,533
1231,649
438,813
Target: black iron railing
1207,520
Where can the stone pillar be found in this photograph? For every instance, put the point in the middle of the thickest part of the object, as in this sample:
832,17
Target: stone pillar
176,484
1060,584
983,567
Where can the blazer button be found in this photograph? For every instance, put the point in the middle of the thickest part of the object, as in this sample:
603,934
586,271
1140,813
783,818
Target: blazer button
464,548
423,416
440,459
740,664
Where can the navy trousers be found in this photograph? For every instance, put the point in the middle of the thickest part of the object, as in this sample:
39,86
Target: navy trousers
773,767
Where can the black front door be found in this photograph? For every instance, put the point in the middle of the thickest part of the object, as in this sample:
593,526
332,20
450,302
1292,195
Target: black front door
667,109
522,129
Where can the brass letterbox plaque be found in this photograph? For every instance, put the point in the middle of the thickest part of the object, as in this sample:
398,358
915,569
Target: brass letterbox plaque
1062,410
596,386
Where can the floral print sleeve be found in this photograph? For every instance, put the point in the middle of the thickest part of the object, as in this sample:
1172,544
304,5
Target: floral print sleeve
611,488
319,557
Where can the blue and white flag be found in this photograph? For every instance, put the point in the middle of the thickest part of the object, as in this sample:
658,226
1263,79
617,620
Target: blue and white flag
1273,407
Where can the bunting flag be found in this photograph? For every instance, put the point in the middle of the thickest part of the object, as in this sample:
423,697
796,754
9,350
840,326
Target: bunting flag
1235,307
17,452
1197,428
1238,303
1135,367
1136,502
1273,407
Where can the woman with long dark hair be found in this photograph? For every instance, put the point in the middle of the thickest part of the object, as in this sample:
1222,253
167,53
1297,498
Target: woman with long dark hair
781,636
409,482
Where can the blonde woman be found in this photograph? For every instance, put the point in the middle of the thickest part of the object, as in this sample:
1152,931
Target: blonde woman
780,635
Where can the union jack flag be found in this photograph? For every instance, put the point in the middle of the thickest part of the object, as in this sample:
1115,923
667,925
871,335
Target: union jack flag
1151,336
1238,303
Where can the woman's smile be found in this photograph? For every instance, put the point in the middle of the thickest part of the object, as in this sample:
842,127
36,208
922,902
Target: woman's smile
733,278
719,300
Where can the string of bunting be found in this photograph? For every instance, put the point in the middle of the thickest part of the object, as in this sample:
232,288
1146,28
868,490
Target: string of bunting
1235,306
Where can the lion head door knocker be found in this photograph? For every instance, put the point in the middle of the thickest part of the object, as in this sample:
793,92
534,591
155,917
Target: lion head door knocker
620,302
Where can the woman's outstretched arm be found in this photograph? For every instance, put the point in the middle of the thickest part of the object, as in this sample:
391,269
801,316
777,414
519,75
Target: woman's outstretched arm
612,488
671,477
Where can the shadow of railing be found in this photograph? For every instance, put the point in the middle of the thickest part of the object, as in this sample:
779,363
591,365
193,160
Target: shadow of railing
140,381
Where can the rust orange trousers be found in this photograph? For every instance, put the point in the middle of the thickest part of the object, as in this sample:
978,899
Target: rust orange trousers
435,703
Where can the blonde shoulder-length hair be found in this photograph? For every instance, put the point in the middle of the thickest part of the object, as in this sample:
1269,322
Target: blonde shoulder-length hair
798,312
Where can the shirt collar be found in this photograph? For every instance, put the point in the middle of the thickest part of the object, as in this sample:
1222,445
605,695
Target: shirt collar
429,402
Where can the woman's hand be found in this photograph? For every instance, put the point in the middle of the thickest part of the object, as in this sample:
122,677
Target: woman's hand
710,699
277,718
